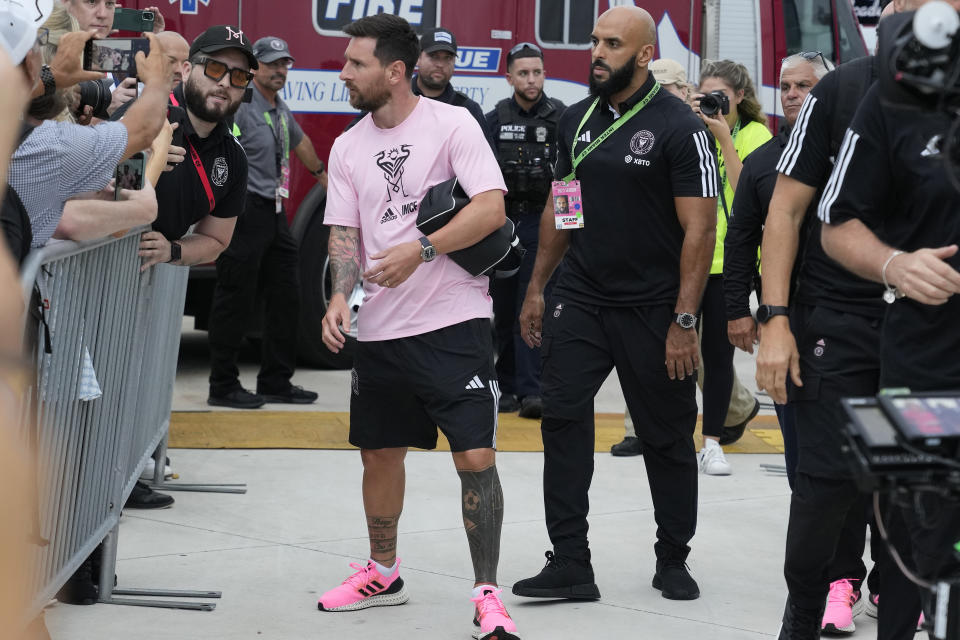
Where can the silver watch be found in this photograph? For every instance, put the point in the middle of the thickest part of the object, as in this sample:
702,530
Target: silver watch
686,320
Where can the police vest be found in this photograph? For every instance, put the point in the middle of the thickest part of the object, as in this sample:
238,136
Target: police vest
527,148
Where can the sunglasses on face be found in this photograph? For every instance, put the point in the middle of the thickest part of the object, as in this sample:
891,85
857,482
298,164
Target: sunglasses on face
215,70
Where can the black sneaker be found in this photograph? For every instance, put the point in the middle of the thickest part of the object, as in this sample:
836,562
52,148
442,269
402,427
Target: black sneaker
561,577
80,588
293,395
531,407
508,403
237,399
629,446
675,582
800,624
729,435
143,497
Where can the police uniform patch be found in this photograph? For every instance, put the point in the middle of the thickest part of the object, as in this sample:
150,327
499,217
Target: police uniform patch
541,134
219,174
642,142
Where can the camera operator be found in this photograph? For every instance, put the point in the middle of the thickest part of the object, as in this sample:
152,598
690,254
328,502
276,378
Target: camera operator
739,125
525,126
798,75
889,150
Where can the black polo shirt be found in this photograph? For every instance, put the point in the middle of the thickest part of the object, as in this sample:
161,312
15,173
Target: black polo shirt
808,158
181,195
628,252
747,218
892,174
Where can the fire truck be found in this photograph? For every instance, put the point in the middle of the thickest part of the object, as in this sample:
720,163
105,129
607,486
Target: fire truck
757,33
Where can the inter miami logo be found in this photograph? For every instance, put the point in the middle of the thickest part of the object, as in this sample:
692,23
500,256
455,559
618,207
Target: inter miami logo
391,162
642,142
220,172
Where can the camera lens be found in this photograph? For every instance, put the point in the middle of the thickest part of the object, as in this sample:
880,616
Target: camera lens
709,105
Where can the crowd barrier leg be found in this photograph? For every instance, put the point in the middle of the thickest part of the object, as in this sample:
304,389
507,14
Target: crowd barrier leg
108,591
160,483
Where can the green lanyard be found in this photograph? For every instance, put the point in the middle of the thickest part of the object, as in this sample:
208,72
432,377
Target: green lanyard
723,165
622,120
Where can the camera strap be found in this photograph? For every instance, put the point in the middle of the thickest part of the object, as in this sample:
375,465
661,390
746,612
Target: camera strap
619,122
197,163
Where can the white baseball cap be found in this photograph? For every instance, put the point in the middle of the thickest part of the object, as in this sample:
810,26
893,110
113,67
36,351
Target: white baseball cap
19,21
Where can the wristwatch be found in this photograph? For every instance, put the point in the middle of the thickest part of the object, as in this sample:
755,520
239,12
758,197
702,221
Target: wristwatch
49,83
175,252
427,252
767,311
686,320
319,171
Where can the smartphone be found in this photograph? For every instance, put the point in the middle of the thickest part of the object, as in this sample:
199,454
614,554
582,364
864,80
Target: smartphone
130,174
133,20
114,55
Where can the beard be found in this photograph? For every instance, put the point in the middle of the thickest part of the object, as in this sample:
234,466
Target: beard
197,102
433,85
378,96
618,79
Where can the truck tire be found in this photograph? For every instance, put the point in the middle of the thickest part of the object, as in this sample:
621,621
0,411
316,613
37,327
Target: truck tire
311,234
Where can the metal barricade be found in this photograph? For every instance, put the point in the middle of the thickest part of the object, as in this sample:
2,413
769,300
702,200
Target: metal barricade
106,340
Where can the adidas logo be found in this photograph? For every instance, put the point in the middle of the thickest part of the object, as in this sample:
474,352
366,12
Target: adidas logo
388,216
476,383
932,149
585,138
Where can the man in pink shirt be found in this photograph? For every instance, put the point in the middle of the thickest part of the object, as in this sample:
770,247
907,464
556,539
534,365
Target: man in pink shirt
424,358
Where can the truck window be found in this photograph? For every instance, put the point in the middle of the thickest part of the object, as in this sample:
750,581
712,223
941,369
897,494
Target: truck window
809,26
565,24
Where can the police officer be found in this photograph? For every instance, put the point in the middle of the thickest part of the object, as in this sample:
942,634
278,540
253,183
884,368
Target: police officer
835,354
646,172
438,58
262,254
894,176
525,126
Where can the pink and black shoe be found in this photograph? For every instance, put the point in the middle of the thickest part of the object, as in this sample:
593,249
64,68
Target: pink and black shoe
491,620
843,604
365,588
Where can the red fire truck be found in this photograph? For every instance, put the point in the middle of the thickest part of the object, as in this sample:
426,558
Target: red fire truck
757,33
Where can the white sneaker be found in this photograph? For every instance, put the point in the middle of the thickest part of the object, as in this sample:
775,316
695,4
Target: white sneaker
147,473
712,461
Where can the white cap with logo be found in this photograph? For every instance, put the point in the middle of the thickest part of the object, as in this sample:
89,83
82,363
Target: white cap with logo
19,21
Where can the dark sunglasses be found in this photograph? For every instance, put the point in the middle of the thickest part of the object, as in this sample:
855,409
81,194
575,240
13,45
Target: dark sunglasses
524,45
215,70
810,56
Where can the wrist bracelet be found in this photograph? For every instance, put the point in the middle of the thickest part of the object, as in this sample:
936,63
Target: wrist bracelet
892,294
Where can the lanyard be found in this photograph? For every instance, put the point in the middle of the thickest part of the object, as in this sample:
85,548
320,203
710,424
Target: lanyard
619,122
723,165
197,163
282,150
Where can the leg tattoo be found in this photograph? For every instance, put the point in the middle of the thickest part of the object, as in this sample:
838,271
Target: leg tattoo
483,519
383,538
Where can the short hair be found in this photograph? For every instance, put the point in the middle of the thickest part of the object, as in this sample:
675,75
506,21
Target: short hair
396,39
523,50
821,66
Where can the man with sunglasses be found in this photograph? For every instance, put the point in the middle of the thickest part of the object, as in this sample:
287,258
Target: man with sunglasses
262,253
525,127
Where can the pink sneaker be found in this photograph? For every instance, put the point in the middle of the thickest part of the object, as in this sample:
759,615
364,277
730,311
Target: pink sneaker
920,622
873,605
366,588
491,620
843,603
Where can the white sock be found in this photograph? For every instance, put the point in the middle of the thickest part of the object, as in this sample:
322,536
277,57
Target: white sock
386,572
478,591
710,444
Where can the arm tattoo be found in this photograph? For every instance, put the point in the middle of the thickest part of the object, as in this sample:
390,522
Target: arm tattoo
344,252
383,538
482,505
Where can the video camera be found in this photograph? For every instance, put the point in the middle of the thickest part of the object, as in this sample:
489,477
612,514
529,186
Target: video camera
920,67
904,444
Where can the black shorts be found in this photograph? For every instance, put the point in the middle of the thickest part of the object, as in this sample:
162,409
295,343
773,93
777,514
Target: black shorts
402,390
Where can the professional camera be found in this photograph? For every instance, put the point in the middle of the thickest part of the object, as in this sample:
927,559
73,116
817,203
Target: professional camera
94,94
907,446
921,57
715,102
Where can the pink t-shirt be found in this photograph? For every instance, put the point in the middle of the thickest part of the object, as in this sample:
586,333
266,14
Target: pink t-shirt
377,179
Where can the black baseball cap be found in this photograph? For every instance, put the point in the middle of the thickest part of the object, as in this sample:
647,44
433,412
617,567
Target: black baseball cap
271,49
224,36
438,39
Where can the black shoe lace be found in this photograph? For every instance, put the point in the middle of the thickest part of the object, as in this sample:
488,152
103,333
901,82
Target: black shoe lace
554,561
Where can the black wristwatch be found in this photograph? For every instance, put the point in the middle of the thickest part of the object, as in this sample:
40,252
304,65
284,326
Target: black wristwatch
686,320
767,311
427,252
49,83
175,251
